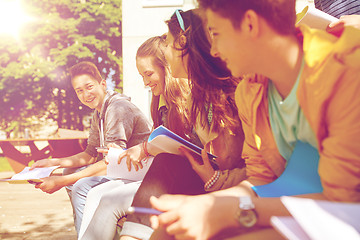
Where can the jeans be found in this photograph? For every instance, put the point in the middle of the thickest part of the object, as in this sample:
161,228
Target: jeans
105,205
78,191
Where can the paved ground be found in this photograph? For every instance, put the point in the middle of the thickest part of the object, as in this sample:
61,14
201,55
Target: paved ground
28,213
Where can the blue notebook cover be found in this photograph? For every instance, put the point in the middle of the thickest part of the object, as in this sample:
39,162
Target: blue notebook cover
161,130
299,177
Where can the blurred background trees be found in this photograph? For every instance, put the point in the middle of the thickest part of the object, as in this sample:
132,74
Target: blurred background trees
35,87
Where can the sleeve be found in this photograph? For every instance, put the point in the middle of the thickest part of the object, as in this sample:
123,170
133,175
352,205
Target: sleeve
339,164
94,137
120,121
256,167
228,178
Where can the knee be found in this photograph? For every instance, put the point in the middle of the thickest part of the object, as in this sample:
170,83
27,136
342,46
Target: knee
163,160
170,163
80,188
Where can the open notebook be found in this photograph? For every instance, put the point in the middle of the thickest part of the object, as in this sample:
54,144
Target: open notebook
30,176
318,219
163,140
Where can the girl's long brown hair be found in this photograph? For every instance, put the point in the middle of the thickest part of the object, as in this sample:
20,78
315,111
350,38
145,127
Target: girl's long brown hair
176,91
211,82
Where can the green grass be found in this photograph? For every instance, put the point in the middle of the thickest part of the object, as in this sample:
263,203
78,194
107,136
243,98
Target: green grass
4,165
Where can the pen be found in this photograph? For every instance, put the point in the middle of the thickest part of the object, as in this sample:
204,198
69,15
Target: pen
143,210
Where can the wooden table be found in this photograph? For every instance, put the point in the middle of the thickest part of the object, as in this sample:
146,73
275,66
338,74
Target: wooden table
56,147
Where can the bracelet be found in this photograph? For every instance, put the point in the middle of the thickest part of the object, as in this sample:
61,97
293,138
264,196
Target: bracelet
212,180
145,149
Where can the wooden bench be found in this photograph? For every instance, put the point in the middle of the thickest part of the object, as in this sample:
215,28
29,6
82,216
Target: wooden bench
64,143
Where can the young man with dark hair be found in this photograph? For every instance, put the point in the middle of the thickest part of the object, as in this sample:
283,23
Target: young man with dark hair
300,84
115,120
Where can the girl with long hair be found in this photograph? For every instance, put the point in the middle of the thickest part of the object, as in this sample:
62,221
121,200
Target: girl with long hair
213,115
106,203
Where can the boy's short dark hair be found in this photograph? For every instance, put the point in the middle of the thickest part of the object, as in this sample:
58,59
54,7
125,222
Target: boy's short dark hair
87,68
280,14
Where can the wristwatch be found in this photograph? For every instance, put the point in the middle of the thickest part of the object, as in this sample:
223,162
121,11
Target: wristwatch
246,214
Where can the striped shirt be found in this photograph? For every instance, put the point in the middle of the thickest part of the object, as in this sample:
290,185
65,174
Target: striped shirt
338,8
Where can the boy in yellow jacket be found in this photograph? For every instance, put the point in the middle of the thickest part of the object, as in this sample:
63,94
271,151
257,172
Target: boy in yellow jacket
303,85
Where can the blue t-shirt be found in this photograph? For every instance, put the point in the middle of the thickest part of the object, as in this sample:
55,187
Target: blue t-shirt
287,120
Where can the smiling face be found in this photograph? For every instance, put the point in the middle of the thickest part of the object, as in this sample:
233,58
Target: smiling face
89,91
152,74
232,45
173,57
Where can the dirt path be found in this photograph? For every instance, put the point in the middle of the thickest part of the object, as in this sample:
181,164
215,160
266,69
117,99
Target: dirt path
28,213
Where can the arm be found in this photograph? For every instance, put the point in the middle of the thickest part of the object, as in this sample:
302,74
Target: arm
339,164
77,160
54,183
214,211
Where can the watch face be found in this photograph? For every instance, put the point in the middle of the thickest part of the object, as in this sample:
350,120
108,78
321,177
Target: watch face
247,218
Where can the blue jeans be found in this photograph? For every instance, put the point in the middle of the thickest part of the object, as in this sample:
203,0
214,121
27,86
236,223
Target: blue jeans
78,192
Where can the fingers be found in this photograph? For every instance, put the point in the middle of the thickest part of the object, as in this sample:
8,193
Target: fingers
205,157
135,165
164,203
113,145
169,218
102,150
121,156
154,221
194,163
336,28
176,228
128,164
106,160
139,164
37,164
167,202
336,23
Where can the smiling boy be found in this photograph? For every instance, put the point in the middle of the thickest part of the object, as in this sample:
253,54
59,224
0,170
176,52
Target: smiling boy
115,120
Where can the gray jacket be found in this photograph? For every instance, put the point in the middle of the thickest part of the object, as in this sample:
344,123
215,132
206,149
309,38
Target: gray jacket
123,124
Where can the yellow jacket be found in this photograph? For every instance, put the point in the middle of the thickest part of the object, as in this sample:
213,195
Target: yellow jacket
328,94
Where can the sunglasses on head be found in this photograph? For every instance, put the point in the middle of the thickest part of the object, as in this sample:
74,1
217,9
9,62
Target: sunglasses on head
180,19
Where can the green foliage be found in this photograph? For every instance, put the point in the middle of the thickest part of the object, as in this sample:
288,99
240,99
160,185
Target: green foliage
4,165
33,75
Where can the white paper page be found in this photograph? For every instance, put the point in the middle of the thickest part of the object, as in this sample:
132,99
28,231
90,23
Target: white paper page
289,228
315,18
325,219
116,170
36,173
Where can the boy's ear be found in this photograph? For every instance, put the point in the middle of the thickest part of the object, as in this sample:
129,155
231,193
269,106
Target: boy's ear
103,84
250,23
